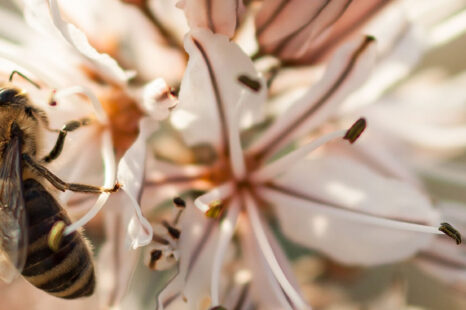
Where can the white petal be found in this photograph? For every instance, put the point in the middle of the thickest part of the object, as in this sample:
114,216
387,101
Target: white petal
345,210
131,176
197,245
414,115
348,69
265,288
220,16
275,259
78,40
348,25
287,28
116,262
226,230
394,63
208,98
157,100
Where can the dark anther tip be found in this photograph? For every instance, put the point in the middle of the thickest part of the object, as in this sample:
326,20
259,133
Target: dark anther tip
249,82
356,130
179,202
451,232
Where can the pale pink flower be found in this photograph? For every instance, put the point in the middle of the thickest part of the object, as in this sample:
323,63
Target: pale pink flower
77,81
144,36
326,201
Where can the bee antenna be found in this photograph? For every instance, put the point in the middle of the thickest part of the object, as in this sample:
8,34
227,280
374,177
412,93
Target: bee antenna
25,77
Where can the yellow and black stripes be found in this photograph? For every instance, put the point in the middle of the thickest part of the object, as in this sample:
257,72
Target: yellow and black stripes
67,273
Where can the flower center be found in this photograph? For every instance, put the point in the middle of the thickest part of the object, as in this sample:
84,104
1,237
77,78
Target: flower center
124,116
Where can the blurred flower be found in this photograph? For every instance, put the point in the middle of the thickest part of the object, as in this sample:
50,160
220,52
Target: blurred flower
144,36
78,82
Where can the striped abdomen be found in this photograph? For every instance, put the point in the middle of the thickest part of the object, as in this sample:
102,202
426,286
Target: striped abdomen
67,273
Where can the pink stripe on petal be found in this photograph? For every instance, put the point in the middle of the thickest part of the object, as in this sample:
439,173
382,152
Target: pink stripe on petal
219,16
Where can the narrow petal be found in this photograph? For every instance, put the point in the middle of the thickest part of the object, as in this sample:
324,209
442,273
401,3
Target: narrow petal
420,120
278,267
350,213
286,28
220,16
210,90
197,244
272,170
226,230
397,56
356,16
272,281
78,40
347,70
116,261
131,177
376,152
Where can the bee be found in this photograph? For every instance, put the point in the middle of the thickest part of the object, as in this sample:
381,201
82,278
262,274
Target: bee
28,211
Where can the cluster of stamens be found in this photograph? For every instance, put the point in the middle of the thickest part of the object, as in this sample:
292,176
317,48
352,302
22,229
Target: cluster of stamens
163,253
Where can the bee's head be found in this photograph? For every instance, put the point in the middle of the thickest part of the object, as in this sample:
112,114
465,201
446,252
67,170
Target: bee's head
10,96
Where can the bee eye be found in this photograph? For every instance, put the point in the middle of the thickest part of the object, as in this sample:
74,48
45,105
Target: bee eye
7,95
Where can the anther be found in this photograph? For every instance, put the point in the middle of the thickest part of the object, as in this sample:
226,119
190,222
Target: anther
174,232
56,235
249,82
155,255
451,232
114,189
179,202
356,130
160,240
52,101
215,209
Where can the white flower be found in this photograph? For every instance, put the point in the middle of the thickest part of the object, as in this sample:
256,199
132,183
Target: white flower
328,202
78,82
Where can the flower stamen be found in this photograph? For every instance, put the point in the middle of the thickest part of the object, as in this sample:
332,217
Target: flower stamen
216,209
280,165
251,83
356,130
451,232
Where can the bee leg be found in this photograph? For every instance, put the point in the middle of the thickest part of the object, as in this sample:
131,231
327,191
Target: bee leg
62,185
58,147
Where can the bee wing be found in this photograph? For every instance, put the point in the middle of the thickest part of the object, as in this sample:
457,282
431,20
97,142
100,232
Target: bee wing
13,228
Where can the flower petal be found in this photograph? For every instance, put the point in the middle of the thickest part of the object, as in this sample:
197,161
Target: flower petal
157,99
357,14
210,90
116,261
350,213
197,245
287,28
348,69
39,14
273,282
414,115
131,177
220,16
